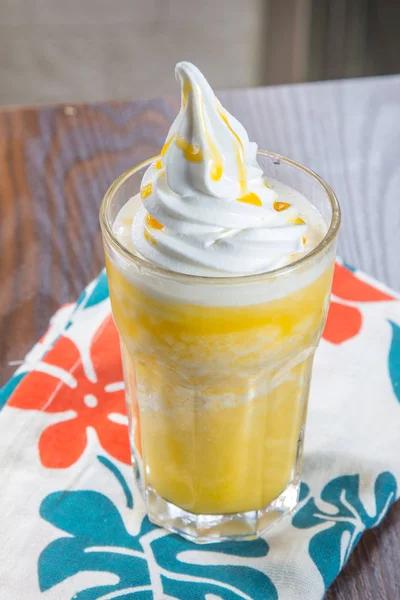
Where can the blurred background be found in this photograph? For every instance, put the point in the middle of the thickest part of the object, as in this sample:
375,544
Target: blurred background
80,50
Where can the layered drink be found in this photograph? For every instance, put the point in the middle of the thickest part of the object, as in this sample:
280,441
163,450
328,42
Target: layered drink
220,260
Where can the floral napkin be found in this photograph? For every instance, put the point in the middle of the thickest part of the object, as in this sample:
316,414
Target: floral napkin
73,524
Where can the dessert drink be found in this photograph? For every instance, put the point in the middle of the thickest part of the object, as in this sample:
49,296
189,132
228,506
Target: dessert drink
219,259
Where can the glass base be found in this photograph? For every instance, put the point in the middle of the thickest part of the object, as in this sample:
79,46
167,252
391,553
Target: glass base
205,529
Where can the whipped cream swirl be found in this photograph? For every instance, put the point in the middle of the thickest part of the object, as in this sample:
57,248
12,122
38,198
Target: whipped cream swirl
206,209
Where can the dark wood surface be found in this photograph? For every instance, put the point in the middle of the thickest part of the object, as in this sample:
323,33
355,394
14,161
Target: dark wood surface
56,163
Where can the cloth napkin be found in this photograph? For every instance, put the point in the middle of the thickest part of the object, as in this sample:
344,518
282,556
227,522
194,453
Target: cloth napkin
73,524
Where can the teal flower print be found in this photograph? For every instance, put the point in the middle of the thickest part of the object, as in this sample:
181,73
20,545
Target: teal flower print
95,292
342,526
150,564
394,359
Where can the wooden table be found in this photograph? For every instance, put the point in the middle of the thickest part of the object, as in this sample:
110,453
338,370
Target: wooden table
56,163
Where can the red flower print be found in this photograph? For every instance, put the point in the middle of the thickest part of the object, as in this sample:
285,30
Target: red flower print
344,321
62,384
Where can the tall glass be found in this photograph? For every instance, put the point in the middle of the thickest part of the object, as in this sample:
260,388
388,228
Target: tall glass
217,373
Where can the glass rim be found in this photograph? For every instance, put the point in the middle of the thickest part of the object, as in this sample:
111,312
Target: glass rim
106,228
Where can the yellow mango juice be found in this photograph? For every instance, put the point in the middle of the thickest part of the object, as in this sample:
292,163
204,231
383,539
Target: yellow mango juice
218,394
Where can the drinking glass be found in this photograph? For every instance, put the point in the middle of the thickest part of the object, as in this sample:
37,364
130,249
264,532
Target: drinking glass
217,372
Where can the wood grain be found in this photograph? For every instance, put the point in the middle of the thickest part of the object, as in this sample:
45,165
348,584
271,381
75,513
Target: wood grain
56,163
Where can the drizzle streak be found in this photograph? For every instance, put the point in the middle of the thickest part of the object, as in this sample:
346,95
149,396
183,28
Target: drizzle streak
146,191
279,206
